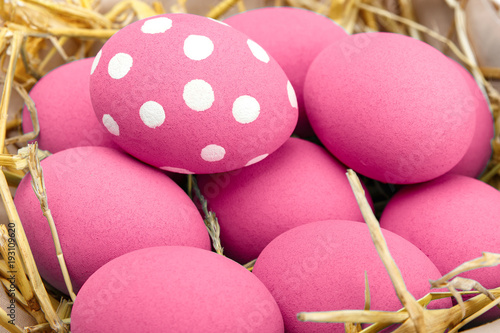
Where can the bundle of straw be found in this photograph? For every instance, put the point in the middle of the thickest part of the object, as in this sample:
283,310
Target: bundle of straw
38,35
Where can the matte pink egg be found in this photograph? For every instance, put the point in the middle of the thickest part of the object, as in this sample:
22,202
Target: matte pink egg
191,95
174,289
64,109
390,107
452,219
299,183
479,153
104,204
321,266
294,37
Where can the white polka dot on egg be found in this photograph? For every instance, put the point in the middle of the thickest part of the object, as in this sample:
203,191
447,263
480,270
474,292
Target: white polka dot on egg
258,51
152,114
198,47
291,95
156,25
198,95
246,109
257,159
120,65
95,62
111,124
213,153
177,170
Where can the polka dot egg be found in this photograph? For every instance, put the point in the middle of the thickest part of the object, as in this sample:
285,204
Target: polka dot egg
189,94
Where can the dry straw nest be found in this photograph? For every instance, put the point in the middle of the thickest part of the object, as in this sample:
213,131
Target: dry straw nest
38,35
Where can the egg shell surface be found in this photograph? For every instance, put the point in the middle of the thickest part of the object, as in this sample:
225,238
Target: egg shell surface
294,37
436,215
299,183
452,219
477,156
104,204
191,95
321,266
390,107
194,291
64,110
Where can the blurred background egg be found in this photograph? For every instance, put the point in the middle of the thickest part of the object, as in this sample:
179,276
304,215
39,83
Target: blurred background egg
191,95
104,204
64,109
321,266
483,27
299,183
174,289
393,110
294,37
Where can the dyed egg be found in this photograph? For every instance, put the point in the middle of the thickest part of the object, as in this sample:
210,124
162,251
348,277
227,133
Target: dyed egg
64,109
294,37
104,204
390,107
191,95
190,290
477,156
436,215
299,183
321,266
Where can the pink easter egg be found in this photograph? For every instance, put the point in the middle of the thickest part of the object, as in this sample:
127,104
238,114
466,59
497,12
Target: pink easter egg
64,109
477,156
436,215
452,219
174,289
390,107
299,183
104,204
191,95
321,266
294,37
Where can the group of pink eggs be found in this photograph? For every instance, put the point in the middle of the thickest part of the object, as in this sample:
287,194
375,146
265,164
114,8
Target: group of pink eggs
188,94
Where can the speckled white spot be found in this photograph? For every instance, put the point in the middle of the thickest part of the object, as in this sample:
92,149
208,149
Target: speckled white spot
257,159
198,95
95,62
246,109
120,65
213,153
111,124
291,95
258,51
198,47
152,114
177,170
156,25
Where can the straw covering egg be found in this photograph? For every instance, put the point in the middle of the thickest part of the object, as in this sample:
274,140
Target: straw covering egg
395,109
321,266
104,204
191,95
174,289
452,219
